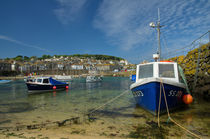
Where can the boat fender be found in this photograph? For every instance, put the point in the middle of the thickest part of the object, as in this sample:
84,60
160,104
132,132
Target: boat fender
54,87
67,87
187,99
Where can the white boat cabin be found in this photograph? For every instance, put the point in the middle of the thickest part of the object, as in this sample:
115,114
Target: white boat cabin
41,80
162,70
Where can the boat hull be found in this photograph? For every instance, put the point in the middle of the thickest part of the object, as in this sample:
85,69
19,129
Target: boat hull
147,96
32,87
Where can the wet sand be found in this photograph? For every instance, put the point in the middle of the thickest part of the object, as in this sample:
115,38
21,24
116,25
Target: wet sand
139,124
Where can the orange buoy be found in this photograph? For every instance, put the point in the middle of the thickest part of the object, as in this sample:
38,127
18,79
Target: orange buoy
54,87
67,87
187,99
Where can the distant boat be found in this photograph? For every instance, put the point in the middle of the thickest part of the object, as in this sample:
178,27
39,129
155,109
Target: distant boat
63,77
41,84
29,78
158,81
92,78
5,81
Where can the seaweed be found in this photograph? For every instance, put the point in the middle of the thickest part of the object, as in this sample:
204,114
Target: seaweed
150,130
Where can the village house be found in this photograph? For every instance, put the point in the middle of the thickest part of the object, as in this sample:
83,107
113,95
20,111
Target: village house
60,66
4,66
25,68
77,67
124,62
15,66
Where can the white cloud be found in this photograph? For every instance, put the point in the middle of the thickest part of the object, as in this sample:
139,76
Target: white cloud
2,37
68,10
126,22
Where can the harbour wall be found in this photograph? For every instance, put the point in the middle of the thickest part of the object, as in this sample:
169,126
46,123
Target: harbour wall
196,66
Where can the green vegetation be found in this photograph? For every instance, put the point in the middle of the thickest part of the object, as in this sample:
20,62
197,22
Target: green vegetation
196,66
45,57
151,130
97,57
82,56
189,62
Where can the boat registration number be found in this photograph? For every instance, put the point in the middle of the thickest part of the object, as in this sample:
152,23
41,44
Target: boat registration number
173,93
138,94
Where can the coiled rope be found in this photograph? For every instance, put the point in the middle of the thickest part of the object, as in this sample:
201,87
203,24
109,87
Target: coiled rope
169,117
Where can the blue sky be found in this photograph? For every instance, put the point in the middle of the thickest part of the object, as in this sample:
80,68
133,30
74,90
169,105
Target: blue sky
111,27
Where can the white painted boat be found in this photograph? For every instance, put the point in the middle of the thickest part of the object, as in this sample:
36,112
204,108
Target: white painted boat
92,78
63,77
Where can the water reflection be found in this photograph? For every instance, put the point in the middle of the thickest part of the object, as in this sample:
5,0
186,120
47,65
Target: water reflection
91,86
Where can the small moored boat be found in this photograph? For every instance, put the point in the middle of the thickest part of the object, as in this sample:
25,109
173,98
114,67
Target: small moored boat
92,78
45,84
65,78
5,81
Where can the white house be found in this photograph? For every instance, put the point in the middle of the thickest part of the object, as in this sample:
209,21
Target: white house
77,67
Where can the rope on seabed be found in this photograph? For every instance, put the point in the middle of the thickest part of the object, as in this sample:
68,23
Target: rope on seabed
169,117
110,101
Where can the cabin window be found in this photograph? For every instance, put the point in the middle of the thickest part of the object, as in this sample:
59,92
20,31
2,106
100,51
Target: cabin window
181,74
45,81
39,80
166,71
146,71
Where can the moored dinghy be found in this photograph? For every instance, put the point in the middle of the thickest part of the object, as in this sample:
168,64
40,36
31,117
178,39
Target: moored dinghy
45,84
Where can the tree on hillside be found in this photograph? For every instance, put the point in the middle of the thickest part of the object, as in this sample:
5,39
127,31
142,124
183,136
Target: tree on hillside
19,58
33,57
46,57
7,59
25,58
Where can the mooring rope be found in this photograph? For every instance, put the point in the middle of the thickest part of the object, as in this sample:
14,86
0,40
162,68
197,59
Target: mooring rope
159,107
169,117
108,102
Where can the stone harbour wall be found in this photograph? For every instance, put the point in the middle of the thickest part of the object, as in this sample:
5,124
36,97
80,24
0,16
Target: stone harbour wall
196,66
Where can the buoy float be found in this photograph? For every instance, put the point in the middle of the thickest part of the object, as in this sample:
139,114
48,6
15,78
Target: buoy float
187,99
54,87
67,87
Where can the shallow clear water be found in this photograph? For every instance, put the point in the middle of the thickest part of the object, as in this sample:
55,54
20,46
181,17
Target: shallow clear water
18,108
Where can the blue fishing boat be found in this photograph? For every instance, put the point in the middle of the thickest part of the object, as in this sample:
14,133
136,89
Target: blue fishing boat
160,85
41,84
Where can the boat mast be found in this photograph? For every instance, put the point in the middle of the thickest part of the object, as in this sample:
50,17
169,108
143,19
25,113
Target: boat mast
158,30
158,26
